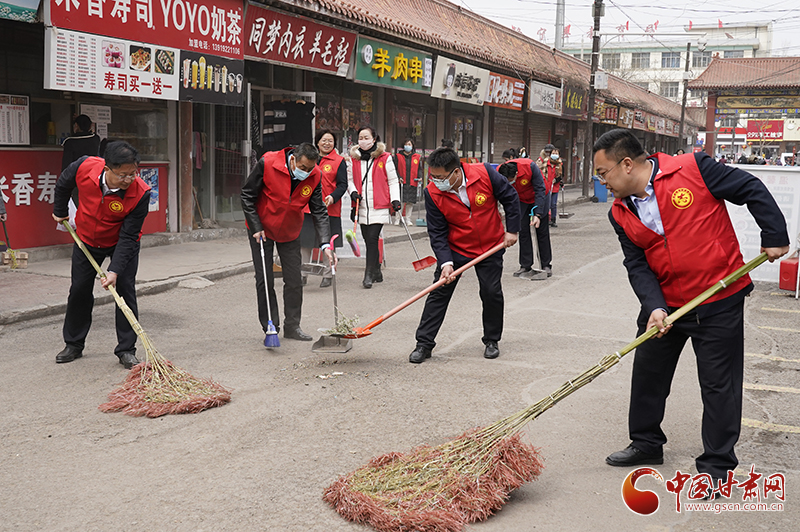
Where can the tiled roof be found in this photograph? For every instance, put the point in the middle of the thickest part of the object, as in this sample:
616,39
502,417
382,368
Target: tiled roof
750,73
447,28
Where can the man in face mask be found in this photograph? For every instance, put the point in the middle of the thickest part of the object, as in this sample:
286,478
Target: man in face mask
464,222
277,190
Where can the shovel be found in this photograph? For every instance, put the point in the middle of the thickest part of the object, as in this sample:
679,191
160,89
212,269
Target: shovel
326,342
419,264
360,332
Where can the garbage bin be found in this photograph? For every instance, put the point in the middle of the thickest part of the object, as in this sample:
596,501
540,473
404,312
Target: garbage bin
600,190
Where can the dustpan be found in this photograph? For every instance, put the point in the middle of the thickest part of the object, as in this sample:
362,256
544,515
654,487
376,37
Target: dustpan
332,343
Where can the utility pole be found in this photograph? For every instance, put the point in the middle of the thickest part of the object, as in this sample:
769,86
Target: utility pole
681,141
559,24
589,140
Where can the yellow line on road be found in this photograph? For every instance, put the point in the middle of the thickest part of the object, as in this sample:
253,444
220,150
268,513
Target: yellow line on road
778,329
780,310
754,423
770,357
768,388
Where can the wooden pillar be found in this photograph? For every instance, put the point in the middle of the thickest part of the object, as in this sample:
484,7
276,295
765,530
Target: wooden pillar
185,137
711,128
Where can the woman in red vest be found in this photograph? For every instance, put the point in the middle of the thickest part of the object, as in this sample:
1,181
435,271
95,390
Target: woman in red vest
333,170
409,169
374,183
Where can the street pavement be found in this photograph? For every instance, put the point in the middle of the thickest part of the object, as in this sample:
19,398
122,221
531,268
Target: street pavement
299,419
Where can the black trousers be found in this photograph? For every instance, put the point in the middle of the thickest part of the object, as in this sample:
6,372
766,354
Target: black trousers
489,272
80,303
371,234
291,262
542,238
718,343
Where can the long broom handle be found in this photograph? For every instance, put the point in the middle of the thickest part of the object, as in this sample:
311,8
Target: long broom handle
6,233
434,286
402,221
118,298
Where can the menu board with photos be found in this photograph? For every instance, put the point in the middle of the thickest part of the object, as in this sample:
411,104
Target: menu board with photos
211,79
14,120
83,62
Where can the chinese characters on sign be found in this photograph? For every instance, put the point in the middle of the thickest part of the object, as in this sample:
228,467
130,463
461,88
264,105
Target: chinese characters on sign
625,118
14,121
381,63
208,26
755,489
88,63
505,92
574,101
459,82
765,130
276,37
544,98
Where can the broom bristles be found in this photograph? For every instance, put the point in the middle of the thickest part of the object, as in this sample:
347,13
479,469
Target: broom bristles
271,339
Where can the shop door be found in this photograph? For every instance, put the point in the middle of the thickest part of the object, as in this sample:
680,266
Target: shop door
508,128
466,136
540,129
202,162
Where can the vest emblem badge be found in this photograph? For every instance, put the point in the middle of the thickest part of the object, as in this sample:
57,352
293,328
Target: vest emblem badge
682,198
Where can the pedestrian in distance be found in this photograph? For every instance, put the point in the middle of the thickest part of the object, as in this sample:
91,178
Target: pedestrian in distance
82,142
277,190
525,177
679,152
409,165
464,222
677,240
333,170
113,202
373,182
555,158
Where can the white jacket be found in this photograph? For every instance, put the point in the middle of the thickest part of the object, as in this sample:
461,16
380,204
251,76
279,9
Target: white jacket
367,214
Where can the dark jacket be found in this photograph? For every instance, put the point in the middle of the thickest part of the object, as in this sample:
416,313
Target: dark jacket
79,145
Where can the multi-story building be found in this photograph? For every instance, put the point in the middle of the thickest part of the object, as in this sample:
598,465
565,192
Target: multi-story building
657,63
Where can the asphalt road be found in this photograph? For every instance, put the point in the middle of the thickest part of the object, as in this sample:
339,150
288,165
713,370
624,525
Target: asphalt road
299,419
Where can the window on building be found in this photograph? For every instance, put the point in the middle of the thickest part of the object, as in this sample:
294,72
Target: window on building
697,93
729,121
611,61
734,54
586,57
701,59
670,89
670,60
643,84
640,60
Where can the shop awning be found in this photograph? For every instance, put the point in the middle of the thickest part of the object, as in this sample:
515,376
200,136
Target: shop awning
21,10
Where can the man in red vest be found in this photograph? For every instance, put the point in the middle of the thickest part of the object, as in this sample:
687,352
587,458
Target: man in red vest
113,202
279,187
464,222
678,240
526,178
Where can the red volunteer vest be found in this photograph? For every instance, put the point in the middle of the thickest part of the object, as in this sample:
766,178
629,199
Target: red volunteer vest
523,184
699,246
99,218
408,173
279,209
549,175
328,167
476,229
380,181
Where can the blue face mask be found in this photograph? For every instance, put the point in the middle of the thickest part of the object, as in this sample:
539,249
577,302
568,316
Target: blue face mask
297,173
554,156
444,186
407,149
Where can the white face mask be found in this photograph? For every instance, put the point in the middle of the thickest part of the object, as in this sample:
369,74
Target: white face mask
408,148
365,144
297,173
443,185
554,156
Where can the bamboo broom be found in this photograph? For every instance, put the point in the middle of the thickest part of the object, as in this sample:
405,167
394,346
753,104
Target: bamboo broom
440,489
155,387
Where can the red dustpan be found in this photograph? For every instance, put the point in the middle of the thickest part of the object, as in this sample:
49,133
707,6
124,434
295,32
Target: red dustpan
360,332
419,264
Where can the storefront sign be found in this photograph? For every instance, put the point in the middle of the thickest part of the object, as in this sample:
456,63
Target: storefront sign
88,63
669,127
605,113
19,10
289,40
574,102
505,92
544,99
210,79
791,129
758,102
14,120
381,63
459,82
639,118
764,129
207,26
625,118
661,126
650,122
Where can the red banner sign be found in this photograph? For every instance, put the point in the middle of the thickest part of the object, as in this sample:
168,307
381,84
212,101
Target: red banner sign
279,38
208,26
765,130
505,92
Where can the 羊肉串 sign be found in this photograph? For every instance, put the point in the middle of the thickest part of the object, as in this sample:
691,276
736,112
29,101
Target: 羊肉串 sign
381,63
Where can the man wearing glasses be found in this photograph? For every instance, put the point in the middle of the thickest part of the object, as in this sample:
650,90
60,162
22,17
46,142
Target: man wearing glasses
113,202
464,222
678,240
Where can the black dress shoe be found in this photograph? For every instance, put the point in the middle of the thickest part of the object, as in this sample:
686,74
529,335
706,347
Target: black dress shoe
68,354
297,334
128,359
491,350
419,355
521,271
325,283
631,456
